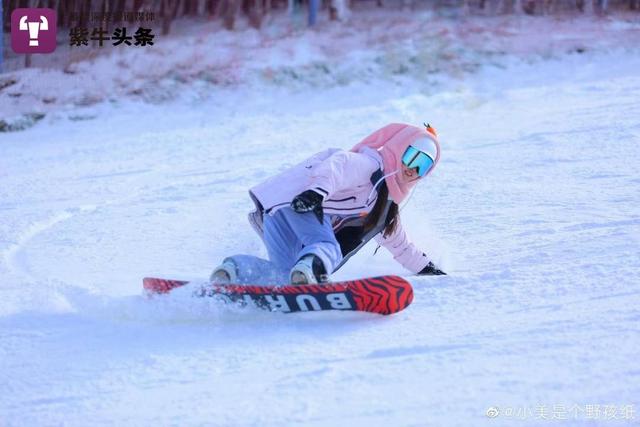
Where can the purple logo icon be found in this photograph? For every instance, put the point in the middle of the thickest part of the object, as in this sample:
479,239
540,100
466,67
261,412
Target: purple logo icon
33,30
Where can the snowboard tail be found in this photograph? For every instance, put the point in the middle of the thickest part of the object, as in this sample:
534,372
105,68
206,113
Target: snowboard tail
382,295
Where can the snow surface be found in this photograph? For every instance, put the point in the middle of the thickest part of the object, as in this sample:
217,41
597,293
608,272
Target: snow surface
534,212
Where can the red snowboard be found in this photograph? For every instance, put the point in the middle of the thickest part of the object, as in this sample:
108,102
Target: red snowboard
381,295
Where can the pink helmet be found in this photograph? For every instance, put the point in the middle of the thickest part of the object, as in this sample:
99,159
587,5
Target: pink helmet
391,142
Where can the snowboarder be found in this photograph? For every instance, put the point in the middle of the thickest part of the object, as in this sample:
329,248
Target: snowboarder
314,216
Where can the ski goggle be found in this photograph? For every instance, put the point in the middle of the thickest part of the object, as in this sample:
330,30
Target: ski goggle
414,158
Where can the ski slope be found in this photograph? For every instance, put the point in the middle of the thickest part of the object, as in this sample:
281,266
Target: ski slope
533,211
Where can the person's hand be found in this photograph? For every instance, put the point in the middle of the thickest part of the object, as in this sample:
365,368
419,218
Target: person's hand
431,270
308,201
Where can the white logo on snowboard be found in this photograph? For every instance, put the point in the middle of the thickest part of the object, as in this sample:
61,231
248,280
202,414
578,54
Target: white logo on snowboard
337,301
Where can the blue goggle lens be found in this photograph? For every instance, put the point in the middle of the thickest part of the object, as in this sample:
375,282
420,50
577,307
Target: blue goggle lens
414,158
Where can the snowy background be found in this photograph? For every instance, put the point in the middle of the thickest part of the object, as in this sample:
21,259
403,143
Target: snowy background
138,165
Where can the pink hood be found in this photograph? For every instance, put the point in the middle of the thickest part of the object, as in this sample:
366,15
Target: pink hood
391,142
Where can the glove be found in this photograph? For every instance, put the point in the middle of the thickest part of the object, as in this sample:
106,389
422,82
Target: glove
308,201
431,270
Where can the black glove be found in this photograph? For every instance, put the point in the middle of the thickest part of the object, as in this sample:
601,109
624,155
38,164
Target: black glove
308,201
431,270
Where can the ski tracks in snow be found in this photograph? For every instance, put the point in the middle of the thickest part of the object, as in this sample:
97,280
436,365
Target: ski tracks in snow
12,255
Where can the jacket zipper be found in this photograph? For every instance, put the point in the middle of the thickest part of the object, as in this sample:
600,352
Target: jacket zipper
328,207
275,206
342,200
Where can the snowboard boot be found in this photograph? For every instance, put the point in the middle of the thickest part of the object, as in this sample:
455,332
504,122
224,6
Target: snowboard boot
308,270
227,272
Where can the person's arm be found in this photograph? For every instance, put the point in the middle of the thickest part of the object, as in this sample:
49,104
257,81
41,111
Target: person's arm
340,171
406,252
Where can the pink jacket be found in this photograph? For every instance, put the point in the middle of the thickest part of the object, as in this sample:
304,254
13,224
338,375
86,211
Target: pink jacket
344,179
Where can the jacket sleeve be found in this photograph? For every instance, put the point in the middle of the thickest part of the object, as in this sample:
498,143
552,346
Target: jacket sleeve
403,250
341,171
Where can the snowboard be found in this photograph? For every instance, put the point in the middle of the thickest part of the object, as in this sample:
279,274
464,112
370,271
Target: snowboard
381,295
